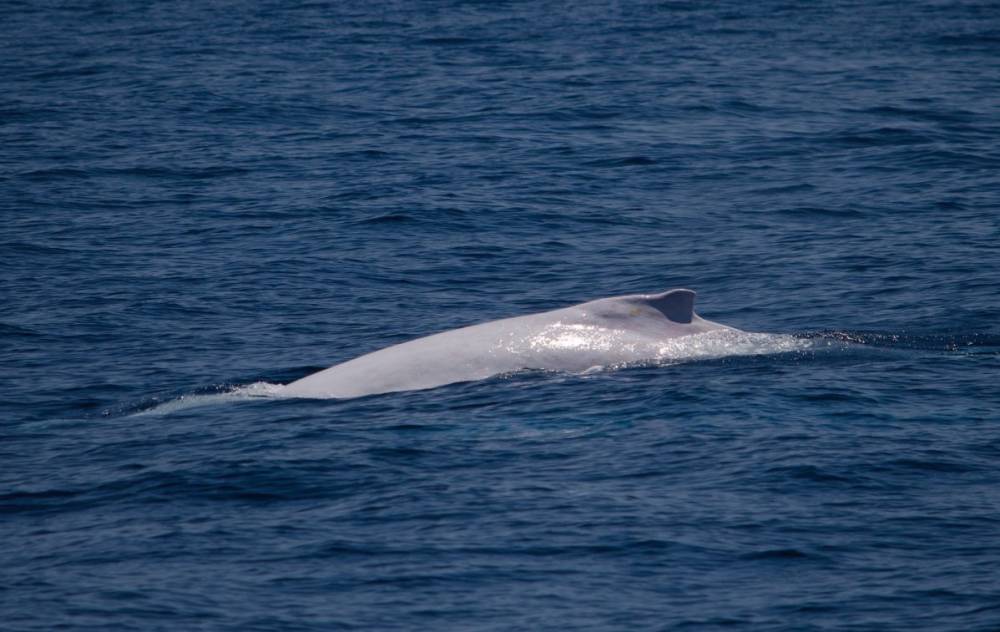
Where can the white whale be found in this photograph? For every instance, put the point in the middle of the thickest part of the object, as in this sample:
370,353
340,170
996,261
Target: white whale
606,332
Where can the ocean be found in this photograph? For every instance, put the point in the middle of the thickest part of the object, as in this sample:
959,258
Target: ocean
202,200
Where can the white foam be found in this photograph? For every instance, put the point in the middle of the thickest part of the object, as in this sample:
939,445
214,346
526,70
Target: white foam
257,390
731,342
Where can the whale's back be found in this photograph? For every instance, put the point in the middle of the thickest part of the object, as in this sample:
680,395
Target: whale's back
609,331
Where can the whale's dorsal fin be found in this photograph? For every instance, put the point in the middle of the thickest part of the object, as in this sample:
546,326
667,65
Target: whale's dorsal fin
676,305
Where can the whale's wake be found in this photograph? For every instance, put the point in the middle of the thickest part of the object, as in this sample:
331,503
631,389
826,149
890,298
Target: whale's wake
254,391
713,345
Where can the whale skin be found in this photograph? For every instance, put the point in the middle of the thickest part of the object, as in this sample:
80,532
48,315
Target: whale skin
604,332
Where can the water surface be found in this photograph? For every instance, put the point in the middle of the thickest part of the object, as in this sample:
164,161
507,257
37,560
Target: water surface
201,197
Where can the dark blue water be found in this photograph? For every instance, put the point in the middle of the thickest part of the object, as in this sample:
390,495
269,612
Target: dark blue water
200,196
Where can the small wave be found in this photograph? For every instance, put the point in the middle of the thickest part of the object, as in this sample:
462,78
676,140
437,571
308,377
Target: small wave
881,136
28,248
966,40
775,554
918,114
17,331
628,161
391,218
447,41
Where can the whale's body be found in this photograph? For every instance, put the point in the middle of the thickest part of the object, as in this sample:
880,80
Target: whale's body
605,332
